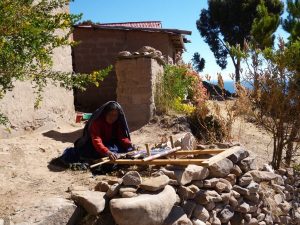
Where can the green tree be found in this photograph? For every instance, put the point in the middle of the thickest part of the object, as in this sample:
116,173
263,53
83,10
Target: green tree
230,23
198,62
28,36
292,23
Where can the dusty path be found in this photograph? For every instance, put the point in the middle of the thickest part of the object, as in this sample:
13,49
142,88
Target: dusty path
26,179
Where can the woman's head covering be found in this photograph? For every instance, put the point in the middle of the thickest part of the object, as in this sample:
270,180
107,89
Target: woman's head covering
80,142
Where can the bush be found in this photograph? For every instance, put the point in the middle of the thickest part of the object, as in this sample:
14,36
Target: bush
179,89
274,101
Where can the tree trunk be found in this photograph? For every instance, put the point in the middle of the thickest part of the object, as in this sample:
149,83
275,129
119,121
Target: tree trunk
237,70
290,145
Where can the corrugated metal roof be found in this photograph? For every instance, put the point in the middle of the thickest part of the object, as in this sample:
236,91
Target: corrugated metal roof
142,24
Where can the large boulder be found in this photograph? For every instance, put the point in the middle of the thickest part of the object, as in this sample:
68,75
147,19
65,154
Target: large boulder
221,168
50,211
145,209
155,183
92,201
188,174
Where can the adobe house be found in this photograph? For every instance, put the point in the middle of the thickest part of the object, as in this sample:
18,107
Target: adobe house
100,44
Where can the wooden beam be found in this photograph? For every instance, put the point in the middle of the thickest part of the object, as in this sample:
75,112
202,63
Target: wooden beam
199,152
221,156
158,161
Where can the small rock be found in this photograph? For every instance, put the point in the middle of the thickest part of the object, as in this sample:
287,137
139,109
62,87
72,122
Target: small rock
113,190
262,223
155,183
221,187
235,194
240,154
253,221
231,178
214,220
253,197
253,187
198,222
242,191
123,189
128,194
206,196
92,201
228,184
247,164
210,206
233,202
236,170
245,180
124,54
210,183
243,208
261,217
221,168
225,197
201,213
132,178
102,186
188,207
186,193
248,217
226,214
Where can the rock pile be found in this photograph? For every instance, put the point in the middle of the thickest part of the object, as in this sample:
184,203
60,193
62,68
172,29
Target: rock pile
145,51
232,191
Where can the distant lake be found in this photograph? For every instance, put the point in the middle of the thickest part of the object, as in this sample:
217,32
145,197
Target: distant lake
229,85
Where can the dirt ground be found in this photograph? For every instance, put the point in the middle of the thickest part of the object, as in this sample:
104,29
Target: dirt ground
25,177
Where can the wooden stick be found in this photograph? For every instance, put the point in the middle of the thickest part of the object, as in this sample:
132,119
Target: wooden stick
158,161
221,156
148,150
172,141
100,163
198,152
167,152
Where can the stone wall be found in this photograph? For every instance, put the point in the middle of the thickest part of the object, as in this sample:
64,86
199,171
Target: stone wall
99,49
136,81
57,105
229,192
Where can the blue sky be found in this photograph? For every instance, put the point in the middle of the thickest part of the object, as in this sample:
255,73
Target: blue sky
176,14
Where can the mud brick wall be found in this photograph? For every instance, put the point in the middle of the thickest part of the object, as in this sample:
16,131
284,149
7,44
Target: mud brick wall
57,106
136,88
99,49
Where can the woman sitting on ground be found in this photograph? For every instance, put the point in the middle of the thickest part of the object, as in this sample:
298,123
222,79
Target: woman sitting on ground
105,134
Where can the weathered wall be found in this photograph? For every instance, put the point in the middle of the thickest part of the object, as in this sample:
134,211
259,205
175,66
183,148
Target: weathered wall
57,105
99,49
136,88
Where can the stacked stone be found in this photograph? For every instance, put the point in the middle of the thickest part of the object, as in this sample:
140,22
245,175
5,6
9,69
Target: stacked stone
231,191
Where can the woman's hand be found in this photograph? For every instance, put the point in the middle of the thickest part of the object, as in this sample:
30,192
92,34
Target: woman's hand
112,156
